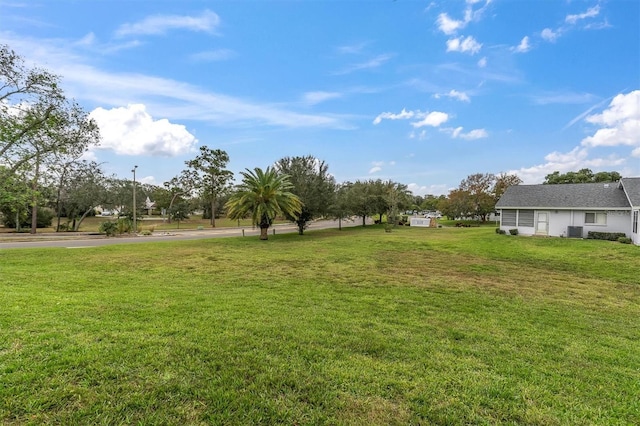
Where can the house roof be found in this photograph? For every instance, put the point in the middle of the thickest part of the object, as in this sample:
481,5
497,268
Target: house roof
632,187
566,196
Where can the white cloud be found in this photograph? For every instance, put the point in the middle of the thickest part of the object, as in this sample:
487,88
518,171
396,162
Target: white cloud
164,97
461,44
213,55
420,136
376,62
471,135
151,180
313,98
598,25
448,25
482,62
549,35
423,190
159,24
620,122
590,13
562,98
87,40
403,115
524,45
132,131
352,48
377,166
573,160
433,119
454,94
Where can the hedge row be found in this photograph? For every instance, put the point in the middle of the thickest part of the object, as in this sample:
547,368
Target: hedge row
609,236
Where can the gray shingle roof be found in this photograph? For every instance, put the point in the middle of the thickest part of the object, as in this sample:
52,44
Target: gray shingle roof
632,188
565,196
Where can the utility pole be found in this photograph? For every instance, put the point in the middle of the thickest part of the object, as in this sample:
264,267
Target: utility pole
135,227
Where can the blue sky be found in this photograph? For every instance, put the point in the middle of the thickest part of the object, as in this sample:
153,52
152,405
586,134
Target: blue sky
419,92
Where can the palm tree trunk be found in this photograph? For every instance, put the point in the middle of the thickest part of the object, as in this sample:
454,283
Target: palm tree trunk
263,234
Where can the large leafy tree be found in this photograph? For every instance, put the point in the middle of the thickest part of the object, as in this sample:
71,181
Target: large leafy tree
263,195
312,183
478,186
81,188
38,124
430,202
211,176
340,204
14,196
502,182
179,188
360,199
457,205
29,98
581,176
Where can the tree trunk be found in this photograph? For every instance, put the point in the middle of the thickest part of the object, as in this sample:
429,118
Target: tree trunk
339,224
34,206
263,234
58,211
213,212
363,220
171,206
300,224
77,226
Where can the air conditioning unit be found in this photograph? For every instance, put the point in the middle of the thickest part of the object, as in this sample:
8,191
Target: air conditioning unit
574,232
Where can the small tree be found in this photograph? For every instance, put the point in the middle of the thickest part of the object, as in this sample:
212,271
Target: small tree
313,185
210,177
263,195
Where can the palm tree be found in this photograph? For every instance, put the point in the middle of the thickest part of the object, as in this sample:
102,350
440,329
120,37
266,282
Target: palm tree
263,195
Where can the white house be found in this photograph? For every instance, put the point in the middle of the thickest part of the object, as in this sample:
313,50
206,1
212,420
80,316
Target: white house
572,210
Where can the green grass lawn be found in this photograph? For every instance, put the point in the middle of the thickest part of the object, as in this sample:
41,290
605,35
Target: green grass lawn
416,326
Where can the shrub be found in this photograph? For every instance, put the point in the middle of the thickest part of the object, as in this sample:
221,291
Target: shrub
513,231
124,225
608,236
108,228
497,230
624,240
45,217
502,232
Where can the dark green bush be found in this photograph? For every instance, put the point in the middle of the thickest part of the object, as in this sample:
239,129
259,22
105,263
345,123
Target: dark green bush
513,231
45,217
108,228
608,236
624,240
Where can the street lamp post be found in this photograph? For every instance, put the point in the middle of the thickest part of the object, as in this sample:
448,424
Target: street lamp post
135,227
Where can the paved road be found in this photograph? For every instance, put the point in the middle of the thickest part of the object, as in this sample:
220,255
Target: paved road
86,241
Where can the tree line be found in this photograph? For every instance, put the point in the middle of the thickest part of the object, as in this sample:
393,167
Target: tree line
43,136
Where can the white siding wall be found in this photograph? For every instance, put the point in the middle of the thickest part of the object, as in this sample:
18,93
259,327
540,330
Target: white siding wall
560,220
617,221
635,236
